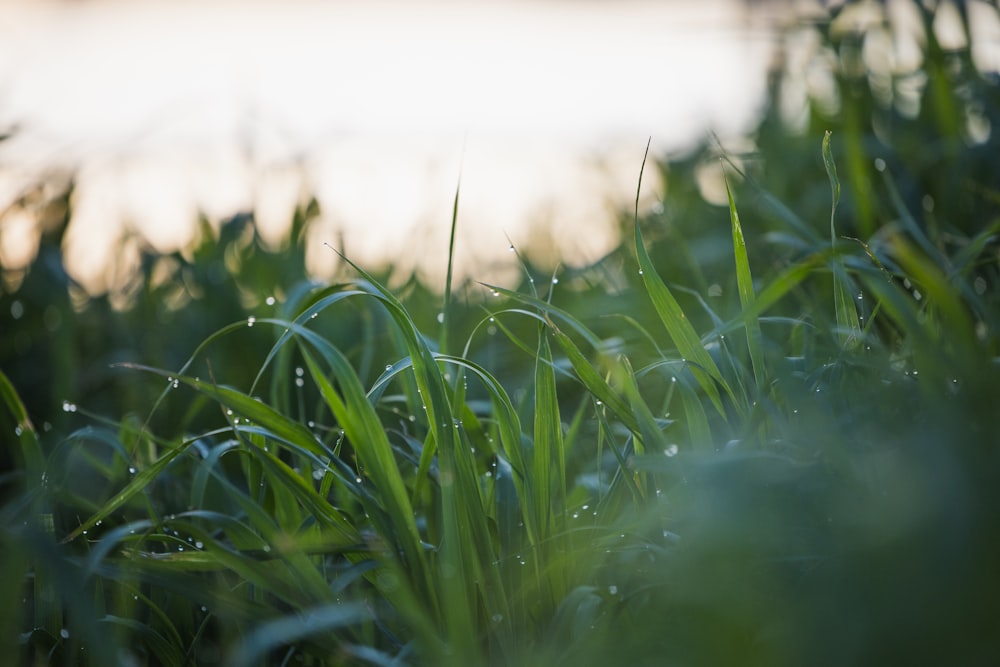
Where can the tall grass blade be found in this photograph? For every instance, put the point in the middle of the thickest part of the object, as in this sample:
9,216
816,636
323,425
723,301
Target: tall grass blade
679,328
848,326
744,282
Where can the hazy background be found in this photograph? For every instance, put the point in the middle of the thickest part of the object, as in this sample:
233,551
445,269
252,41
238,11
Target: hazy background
164,109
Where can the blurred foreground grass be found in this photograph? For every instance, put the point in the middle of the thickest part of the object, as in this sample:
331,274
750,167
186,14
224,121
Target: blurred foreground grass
761,432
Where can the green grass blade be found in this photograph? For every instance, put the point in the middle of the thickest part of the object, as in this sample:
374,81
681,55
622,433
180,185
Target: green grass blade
848,326
24,431
744,282
679,328
548,444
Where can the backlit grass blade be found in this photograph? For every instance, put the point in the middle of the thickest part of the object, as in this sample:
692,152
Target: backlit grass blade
24,431
548,444
744,282
679,328
848,326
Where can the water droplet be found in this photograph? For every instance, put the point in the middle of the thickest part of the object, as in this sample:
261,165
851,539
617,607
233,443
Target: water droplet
68,407
495,292
17,431
599,402
311,423
492,319
269,300
16,309
671,450
299,382
860,296
440,318
576,515
251,320
64,633
612,589
585,507
879,164
497,618
199,544
510,248
357,479
388,367
640,272
555,281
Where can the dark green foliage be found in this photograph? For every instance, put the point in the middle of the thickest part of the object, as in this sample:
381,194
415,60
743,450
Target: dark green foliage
758,433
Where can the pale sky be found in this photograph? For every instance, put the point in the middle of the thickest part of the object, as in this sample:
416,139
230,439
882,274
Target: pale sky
170,107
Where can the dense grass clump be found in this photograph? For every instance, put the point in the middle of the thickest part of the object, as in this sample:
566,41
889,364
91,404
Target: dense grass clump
758,433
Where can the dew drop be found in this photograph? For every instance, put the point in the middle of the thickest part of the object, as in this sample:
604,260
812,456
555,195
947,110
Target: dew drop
497,618
671,450
555,281
251,320
388,367
299,382
879,164
440,318
510,248
612,589
68,407
64,633
269,300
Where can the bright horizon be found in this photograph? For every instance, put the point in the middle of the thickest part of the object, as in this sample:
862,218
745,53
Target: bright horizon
167,108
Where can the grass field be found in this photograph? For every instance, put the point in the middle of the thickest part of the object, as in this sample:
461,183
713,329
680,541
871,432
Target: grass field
762,433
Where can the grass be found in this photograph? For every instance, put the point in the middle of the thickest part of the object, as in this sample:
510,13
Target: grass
761,446
682,496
